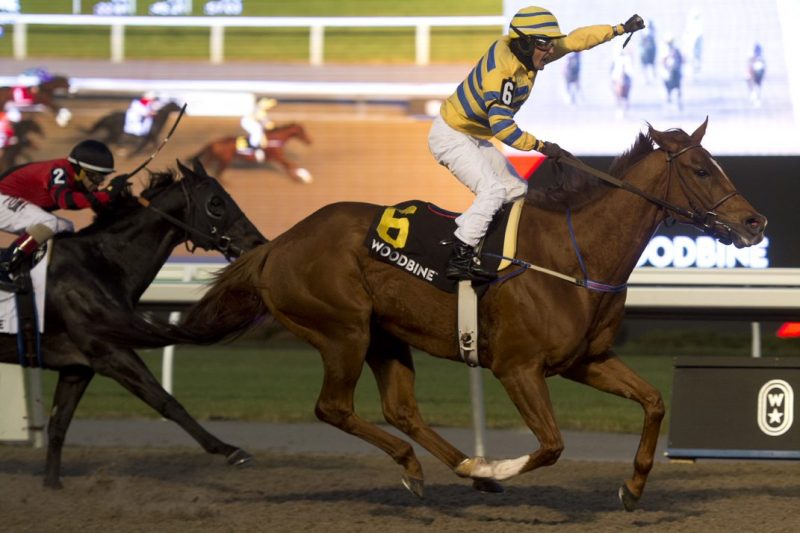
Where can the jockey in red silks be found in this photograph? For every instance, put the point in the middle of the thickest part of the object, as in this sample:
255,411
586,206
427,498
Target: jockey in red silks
29,193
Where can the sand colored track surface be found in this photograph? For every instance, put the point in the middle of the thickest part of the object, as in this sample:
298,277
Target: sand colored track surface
170,490
375,154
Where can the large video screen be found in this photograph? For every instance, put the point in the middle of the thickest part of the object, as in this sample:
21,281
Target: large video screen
735,67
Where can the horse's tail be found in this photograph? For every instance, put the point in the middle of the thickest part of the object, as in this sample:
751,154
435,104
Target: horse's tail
232,305
98,124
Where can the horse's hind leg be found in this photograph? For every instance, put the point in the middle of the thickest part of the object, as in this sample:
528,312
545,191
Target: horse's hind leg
335,406
72,383
614,376
124,366
393,366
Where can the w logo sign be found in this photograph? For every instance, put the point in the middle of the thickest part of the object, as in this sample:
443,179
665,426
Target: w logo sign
775,407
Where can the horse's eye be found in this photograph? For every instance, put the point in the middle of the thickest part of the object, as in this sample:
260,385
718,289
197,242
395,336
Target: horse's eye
215,207
701,172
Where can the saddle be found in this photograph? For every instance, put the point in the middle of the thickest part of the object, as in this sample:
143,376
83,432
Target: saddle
417,237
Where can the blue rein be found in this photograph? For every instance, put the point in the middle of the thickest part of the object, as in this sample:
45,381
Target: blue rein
587,283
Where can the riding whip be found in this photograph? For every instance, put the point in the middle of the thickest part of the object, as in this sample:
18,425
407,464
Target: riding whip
160,146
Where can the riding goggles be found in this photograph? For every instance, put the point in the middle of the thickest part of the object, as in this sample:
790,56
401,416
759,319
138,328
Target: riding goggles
543,43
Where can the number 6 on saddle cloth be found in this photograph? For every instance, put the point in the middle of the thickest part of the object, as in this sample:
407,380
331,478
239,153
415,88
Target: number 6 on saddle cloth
415,236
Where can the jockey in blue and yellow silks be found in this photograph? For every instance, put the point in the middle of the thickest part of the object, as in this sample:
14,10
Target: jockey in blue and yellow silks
483,106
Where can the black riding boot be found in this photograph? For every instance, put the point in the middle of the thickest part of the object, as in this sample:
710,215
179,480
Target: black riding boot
11,258
465,265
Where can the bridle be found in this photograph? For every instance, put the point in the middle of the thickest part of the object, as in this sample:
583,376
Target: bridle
706,220
213,214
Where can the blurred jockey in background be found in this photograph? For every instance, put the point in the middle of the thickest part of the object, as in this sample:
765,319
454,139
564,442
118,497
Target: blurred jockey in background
257,124
139,116
7,134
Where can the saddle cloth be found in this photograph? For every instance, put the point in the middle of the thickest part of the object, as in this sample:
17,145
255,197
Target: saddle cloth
8,302
417,237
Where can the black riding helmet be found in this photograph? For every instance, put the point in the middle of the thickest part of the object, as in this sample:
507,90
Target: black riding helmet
94,158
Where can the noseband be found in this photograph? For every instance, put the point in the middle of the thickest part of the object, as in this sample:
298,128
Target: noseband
213,237
707,221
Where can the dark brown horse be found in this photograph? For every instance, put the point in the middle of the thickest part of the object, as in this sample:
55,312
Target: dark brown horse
319,281
218,155
44,94
101,272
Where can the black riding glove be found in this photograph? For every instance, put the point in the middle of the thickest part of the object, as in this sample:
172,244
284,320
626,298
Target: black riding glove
635,23
117,185
554,151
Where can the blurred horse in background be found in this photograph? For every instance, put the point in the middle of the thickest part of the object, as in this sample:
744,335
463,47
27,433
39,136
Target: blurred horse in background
217,155
21,151
111,130
35,97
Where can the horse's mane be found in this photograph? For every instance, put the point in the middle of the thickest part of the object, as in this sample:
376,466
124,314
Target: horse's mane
573,188
126,203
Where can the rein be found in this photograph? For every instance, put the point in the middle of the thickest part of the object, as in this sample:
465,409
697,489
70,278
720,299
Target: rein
707,222
221,242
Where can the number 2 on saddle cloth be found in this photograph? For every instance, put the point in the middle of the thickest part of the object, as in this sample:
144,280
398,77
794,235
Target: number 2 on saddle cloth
416,236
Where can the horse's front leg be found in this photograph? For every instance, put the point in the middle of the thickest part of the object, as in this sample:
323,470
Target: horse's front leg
526,386
72,383
610,374
300,174
125,367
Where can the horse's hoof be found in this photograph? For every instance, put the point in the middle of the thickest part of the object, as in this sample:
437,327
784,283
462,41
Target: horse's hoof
487,485
303,175
239,457
414,485
629,501
53,484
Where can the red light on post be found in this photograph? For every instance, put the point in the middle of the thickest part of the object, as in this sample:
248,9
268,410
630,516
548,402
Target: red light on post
789,330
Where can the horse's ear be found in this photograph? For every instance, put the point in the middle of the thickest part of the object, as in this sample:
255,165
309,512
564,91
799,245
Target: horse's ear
184,170
697,136
198,167
664,140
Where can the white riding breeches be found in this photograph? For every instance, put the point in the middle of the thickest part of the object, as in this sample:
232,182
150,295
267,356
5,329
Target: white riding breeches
483,169
255,132
16,215
137,124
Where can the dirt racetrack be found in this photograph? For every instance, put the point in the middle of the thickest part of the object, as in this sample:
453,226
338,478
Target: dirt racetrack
113,489
365,153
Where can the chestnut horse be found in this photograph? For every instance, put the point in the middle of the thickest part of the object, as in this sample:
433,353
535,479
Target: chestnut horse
218,155
44,94
320,282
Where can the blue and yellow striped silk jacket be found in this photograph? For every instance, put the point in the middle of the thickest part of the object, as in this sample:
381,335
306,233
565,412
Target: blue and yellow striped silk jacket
485,103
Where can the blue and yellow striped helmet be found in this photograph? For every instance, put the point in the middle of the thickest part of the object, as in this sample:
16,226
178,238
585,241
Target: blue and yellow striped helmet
534,21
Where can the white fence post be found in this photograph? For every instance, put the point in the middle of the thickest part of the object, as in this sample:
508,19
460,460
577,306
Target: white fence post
217,44
755,347
117,43
478,412
20,40
423,44
317,45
